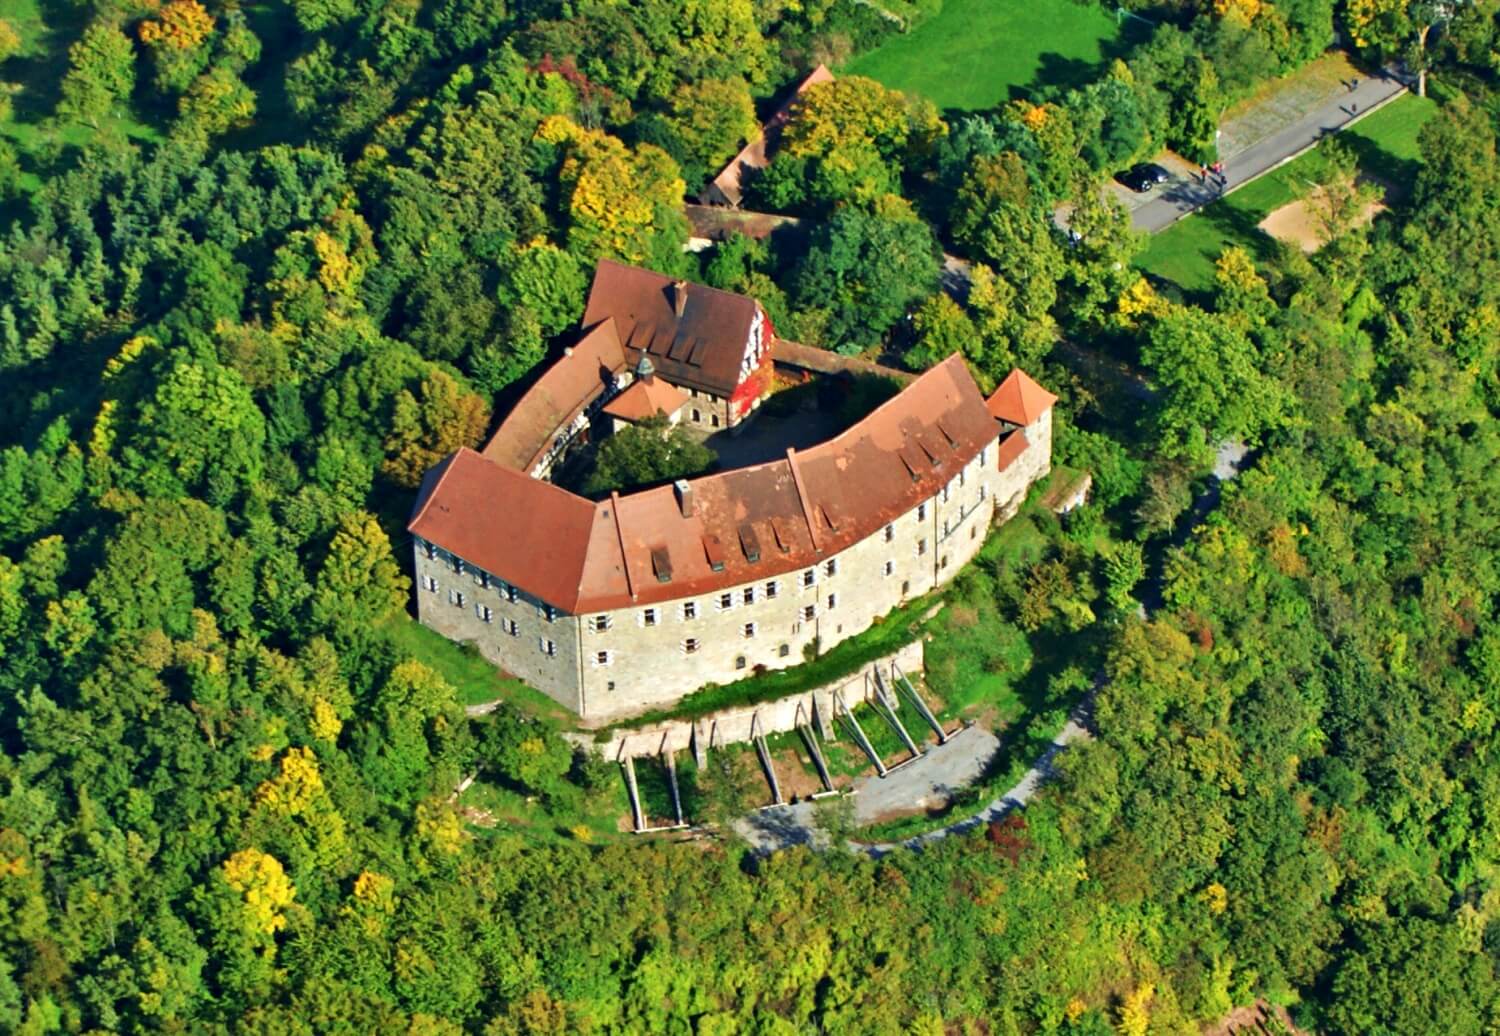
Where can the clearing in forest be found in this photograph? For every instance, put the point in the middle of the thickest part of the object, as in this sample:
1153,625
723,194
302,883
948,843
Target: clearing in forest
975,54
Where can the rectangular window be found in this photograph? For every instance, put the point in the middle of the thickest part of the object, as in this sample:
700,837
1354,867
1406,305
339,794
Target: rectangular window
945,494
984,455
457,597
549,612
833,601
983,492
482,580
921,512
973,532
749,630
749,595
690,646
431,551
697,416
946,524
739,661
511,626
922,546
890,533
961,472
648,617
890,568
511,594
771,589
810,578
484,613
689,609
602,658
784,650
944,562
601,623
726,602
549,648
458,565
831,566
429,583
809,612
905,587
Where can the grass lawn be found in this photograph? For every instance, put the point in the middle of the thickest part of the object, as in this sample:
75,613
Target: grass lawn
979,53
475,679
1184,253
32,80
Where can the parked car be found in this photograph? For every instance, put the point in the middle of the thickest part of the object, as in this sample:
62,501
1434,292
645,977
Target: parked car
1144,177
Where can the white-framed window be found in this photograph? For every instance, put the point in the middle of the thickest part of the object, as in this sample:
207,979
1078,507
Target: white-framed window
922,512
748,596
831,566
648,617
430,583
726,602
772,588
689,609
601,623
810,578
549,648
890,568
833,601
431,549
809,612
511,594
922,546
457,598
547,612
511,626
482,580
603,658
890,533
749,630
458,565
484,612
690,646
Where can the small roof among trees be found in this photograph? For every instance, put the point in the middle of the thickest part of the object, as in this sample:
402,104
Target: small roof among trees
1019,400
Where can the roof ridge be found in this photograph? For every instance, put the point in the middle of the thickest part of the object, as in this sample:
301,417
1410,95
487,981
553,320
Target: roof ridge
812,532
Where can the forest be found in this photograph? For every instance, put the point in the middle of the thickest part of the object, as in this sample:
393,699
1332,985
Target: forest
262,265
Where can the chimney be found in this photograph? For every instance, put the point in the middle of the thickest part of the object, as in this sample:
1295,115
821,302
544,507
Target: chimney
679,296
684,491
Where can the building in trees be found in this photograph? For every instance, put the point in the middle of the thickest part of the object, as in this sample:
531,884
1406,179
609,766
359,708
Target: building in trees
628,603
728,187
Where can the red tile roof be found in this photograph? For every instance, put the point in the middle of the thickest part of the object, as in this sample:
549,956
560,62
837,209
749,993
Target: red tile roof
1019,400
647,397
702,346
559,396
1011,447
758,152
747,524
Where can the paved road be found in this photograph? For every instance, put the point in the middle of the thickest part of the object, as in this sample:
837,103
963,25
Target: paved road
1182,196
924,783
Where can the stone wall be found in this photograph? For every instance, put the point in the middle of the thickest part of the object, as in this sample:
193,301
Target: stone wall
732,726
637,659
516,631
608,666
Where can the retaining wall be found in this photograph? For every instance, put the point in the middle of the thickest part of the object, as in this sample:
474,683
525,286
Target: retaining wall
731,726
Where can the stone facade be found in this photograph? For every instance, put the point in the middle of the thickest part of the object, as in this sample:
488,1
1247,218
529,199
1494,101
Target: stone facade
614,664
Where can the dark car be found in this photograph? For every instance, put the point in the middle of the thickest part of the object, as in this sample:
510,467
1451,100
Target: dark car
1144,177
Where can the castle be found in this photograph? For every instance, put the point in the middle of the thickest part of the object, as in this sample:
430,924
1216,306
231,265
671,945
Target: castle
619,605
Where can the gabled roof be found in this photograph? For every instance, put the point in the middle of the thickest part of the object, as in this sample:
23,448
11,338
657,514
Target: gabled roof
742,525
578,378
758,152
1019,400
647,397
530,533
702,346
